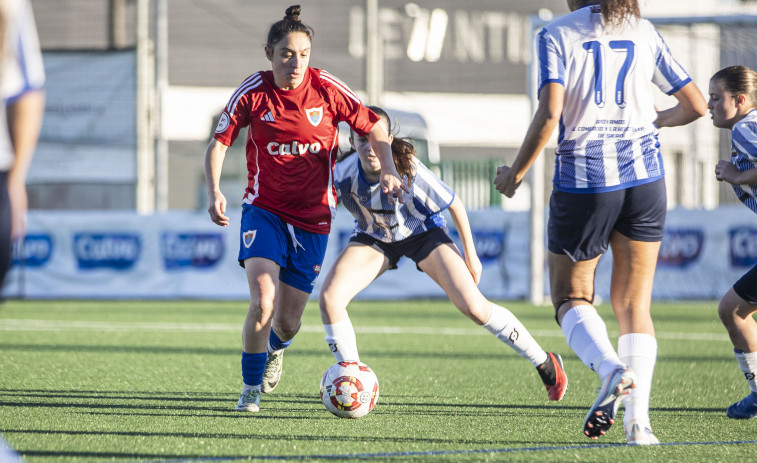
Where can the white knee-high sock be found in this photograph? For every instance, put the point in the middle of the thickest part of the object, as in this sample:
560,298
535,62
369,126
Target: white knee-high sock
586,334
748,365
508,329
638,351
341,339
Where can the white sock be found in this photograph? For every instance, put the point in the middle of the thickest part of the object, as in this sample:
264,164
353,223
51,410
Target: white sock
748,364
586,334
341,339
639,352
247,388
508,329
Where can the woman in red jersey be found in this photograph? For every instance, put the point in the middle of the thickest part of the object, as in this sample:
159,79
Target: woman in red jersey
292,112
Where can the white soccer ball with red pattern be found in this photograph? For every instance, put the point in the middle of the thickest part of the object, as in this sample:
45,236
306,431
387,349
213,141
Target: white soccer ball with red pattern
349,389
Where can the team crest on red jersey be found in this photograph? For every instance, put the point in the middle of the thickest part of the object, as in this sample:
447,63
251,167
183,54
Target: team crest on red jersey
248,237
223,123
314,115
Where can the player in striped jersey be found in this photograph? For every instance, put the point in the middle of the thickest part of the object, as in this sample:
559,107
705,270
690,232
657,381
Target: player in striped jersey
733,104
22,78
596,64
384,233
292,112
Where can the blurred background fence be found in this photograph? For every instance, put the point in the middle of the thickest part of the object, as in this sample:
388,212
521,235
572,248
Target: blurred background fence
134,87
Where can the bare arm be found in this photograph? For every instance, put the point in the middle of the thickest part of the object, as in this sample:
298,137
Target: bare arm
24,123
460,219
543,124
691,106
214,156
391,184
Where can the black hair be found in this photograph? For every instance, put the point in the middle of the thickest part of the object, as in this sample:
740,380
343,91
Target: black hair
290,23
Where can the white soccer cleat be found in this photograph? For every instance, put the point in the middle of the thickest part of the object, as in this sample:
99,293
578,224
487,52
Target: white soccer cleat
602,414
638,434
273,369
249,401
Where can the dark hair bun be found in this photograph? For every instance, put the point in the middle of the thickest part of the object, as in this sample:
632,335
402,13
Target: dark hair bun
293,13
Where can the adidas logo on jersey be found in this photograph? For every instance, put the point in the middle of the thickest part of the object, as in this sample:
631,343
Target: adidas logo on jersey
268,117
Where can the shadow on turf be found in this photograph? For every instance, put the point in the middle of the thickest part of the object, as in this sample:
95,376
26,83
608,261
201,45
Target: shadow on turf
245,435
176,350
726,355
417,405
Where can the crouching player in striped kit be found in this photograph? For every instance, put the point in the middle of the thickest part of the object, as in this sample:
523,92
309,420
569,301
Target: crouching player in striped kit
733,101
596,66
292,112
384,233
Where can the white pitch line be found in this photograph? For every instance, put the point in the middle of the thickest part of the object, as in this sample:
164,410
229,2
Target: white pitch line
60,325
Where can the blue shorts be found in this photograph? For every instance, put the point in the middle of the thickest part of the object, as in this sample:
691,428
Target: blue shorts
299,253
580,224
746,287
416,247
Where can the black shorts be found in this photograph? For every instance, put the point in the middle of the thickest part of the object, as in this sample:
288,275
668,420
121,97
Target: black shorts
746,287
580,224
416,247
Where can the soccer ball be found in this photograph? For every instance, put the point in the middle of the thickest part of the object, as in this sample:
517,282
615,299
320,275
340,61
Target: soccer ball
349,389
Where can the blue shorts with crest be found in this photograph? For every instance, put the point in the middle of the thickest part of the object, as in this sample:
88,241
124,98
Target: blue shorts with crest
299,253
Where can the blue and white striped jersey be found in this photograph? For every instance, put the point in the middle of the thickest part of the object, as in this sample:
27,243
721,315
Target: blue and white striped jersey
744,156
607,139
429,196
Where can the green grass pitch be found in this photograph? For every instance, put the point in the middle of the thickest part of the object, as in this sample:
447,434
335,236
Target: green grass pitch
92,381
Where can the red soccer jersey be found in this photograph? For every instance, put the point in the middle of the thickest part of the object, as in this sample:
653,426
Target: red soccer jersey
293,142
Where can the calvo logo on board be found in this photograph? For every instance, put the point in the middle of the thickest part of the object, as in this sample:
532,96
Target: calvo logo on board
743,246
116,251
191,250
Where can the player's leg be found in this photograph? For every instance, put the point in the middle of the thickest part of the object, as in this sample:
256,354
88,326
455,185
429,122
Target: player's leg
262,252
630,294
736,311
286,322
635,246
354,269
304,257
263,282
572,291
447,268
579,231
572,288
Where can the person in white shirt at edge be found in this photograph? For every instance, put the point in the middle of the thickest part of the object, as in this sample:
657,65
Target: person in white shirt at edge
383,234
595,67
733,98
22,79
